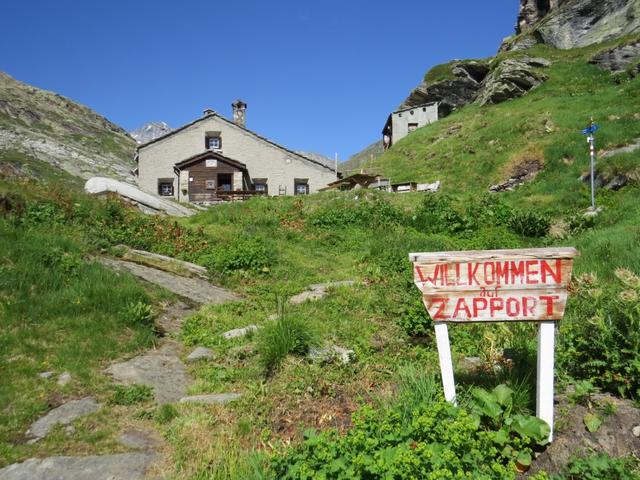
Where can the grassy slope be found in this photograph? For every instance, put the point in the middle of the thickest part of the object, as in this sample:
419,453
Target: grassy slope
479,146
60,311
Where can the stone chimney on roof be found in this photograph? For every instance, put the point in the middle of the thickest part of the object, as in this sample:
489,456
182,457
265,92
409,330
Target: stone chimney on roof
239,113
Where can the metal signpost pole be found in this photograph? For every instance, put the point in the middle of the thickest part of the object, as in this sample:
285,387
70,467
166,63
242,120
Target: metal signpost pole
589,131
593,169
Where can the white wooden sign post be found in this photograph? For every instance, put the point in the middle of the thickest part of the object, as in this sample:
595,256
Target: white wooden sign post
497,286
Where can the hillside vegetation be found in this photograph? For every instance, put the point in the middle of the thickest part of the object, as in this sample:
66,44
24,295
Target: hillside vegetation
35,123
477,147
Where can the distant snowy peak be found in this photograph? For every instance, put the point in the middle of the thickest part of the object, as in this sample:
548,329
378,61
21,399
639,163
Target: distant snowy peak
150,131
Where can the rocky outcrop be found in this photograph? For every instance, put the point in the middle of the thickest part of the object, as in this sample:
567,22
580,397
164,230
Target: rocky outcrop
512,78
147,202
475,81
150,131
531,11
618,59
452,93
567,24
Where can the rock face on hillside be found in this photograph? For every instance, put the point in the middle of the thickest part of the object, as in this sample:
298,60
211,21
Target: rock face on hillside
452,93
480,82
569,24
512,78
618,59
150,131
65,134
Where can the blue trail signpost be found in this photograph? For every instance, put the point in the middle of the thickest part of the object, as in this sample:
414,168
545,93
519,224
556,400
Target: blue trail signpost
590,131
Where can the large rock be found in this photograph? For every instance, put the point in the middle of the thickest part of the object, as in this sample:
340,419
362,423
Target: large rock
62,415
452,93
148,202
159,369
194,289
512,78
618,59
121,466
569,24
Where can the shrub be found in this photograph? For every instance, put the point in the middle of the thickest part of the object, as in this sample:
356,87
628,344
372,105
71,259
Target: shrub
138,313
438,441
131,394
601,466
287,335
364,213
601,334
165,413
37,213
250,255
437,214
529,223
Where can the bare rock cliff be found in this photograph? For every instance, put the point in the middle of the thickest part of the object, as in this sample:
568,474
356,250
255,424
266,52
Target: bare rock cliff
567,24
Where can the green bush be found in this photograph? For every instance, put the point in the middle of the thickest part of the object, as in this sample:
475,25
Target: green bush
600,338
364,212
287,335
438,441
165,413
131,394
529,223
138,313
600,467
249,255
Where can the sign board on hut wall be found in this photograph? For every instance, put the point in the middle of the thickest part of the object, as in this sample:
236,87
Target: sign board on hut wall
497,286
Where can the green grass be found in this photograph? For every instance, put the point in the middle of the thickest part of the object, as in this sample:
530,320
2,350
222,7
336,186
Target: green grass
479,146
60,311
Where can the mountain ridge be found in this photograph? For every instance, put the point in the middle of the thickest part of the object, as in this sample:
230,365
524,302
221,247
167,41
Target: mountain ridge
54,129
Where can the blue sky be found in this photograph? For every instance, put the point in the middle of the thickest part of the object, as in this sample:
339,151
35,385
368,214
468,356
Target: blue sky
317,76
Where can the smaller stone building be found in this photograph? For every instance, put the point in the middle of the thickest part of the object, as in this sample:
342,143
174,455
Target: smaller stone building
404,121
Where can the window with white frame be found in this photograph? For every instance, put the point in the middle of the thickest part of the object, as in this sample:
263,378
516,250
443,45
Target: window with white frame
213,142
210,184
301,186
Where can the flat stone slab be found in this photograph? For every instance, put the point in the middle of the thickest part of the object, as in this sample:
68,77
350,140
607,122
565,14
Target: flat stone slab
194,289
159,369
214,398
162,262
318,291
240,332
138,440
170,320
121,466
200,353
64,415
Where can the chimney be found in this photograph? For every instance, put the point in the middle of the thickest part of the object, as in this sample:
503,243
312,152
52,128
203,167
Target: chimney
239,113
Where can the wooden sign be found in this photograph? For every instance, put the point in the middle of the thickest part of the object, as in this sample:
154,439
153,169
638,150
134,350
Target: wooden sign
497,286
494,285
